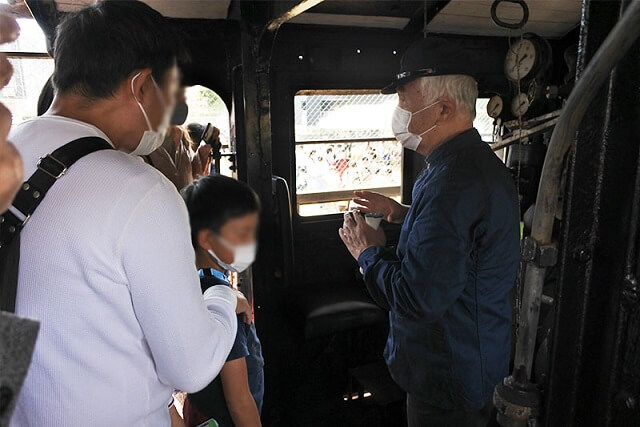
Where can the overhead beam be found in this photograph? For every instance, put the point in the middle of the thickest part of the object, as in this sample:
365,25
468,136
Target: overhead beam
16,8
416,24
286,10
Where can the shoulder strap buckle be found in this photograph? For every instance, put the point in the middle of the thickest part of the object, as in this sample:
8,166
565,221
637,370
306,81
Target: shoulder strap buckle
52,166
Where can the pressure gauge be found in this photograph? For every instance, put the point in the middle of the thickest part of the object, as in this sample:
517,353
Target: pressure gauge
520,104
520,60
495,106
528,58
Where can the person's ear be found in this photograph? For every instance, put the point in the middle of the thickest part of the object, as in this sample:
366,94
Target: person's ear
446,110
139,83
203,238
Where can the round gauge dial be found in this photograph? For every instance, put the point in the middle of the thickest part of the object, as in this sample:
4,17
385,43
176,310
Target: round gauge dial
520,60
495,106
520,105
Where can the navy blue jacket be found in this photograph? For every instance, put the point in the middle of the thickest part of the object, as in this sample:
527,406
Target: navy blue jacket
448,285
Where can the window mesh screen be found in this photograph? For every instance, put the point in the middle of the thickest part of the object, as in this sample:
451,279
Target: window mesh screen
339,116
22,92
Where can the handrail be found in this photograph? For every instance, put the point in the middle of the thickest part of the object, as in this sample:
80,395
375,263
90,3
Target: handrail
28,55
347,141
340,195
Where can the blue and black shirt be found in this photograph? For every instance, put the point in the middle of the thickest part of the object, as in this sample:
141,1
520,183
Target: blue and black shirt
447,286
210,401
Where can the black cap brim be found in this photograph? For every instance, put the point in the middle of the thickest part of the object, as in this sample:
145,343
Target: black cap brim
406,77
393,86
389,89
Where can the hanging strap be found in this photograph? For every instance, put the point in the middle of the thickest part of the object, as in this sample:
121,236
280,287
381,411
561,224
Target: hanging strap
50,168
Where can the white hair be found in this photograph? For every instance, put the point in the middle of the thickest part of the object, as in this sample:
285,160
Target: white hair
460,89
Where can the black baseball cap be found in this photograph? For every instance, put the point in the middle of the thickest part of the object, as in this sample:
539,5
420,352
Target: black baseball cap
432,56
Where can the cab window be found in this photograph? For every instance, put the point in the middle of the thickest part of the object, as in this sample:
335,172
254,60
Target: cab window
483,123
32,66
206,106
344,143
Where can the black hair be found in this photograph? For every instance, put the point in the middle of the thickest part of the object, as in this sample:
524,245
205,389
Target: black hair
196,131
213,200
98,47
46,97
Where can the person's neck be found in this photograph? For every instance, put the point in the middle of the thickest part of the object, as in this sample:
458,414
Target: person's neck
205,261
103,114
444,135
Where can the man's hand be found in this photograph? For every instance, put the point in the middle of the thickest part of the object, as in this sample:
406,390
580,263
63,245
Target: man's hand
358,236
244,308
371,202
11,172
201,161
182,159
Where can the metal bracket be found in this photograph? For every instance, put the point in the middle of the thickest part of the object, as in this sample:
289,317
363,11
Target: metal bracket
517,401
46,161
542,256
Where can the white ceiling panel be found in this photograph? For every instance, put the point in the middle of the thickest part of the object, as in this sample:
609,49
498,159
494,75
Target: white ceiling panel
204,9
547,18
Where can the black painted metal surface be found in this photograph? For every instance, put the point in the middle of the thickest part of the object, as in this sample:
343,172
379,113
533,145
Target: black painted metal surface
47,17
587,367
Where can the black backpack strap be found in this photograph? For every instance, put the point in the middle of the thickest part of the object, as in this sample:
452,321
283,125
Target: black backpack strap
50,168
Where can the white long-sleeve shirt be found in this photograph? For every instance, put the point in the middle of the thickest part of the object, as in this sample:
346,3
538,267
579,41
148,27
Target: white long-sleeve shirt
107,267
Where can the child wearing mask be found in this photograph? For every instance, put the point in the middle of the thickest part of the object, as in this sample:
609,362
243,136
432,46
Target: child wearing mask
224,219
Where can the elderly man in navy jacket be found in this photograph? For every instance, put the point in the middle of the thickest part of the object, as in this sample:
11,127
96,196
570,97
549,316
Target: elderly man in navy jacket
447,285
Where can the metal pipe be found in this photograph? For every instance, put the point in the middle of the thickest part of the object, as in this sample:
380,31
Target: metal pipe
520,134
618,42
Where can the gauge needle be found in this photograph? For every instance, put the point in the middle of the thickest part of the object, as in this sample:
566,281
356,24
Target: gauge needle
519,62
495,110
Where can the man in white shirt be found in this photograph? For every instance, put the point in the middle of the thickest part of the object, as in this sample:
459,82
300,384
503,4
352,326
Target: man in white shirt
106,263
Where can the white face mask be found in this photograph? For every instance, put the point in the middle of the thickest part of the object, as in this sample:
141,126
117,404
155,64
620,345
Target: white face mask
243,256
152,139
400,125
